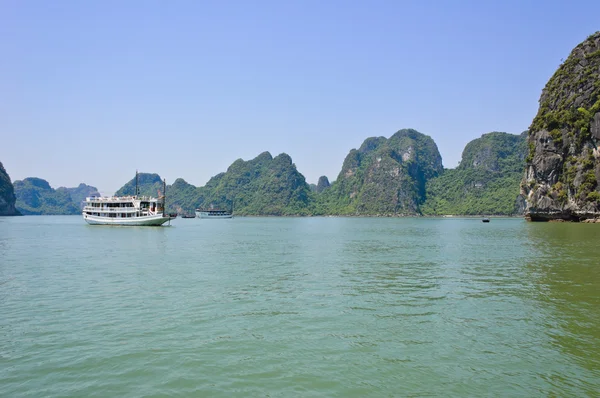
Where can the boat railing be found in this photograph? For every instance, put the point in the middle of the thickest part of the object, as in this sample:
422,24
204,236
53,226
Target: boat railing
111,209
111,199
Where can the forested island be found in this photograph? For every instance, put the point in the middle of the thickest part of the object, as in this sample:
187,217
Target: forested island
549,172
397,176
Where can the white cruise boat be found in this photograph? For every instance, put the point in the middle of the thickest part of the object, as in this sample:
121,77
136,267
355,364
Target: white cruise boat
126,210
213,213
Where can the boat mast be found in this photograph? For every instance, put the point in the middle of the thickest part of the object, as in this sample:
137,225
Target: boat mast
137,192
164,196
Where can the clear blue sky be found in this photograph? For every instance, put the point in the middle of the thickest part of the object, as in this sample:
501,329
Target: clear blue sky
90,91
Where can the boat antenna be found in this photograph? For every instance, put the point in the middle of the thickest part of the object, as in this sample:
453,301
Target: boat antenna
137,192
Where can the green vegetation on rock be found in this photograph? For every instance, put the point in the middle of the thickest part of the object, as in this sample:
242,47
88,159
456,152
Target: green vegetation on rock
81,192
384,176
261,186
182,198
563,168
36,197
400,175
322,185
148,185
7,195
486,181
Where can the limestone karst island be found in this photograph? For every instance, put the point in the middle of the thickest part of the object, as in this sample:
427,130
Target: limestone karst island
549,172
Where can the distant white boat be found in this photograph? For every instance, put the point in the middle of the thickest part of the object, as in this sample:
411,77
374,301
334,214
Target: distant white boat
126,210
213,213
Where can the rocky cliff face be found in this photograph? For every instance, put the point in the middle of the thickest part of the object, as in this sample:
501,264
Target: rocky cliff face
563,167
385,176
7,195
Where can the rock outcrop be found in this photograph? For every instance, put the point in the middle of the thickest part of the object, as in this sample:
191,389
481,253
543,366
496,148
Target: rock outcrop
485,183
323,184
563,167
385,176
7,195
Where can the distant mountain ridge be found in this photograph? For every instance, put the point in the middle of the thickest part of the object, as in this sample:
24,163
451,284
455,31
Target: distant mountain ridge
36,197
396,176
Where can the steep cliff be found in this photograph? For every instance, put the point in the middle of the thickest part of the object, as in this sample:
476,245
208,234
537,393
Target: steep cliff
563,168
7,195
384,176
322,185
486,181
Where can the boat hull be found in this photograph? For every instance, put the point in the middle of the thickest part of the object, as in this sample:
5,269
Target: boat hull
152,221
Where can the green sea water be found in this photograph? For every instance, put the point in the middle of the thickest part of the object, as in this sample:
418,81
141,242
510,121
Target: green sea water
287,307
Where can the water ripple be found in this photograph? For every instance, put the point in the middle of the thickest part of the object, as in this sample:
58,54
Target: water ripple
299,307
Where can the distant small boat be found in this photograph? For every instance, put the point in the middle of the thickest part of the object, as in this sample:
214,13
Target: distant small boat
485,220
213,213
188,216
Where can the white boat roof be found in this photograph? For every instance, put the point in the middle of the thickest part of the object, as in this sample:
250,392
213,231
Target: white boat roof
119,198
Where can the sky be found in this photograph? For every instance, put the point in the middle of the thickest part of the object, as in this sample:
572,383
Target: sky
91,91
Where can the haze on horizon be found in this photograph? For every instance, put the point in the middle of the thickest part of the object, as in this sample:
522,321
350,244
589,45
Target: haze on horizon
92,91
